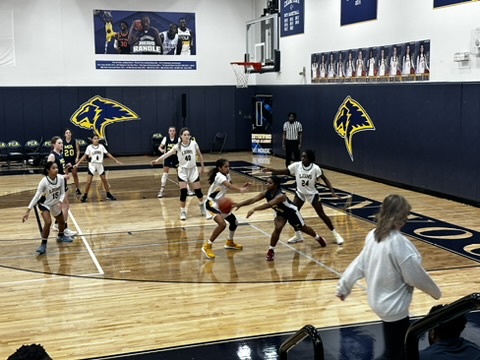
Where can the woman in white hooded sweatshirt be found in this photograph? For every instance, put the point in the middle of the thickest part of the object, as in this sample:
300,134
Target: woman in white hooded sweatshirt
392,268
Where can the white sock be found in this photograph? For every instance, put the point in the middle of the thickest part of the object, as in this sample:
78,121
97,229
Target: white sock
271,247
298,234
230,235
209,242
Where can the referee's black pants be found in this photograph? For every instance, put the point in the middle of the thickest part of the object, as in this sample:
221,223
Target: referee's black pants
291,147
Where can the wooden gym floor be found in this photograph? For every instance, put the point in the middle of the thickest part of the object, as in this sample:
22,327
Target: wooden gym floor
135,278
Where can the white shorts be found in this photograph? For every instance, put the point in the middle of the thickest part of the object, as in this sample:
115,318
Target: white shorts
55,210
95,168
188,175
308,197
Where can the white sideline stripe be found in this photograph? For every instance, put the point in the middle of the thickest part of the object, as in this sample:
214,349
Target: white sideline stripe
87,246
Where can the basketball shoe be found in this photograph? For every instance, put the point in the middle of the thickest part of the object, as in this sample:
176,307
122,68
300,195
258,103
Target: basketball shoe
230,244
207,250
297,238
42,249
270,256
321,241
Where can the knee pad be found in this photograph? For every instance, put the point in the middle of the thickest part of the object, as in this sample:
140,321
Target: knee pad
232,220
183,195
198,193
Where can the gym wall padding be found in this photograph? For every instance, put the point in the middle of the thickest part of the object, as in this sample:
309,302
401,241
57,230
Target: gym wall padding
426,135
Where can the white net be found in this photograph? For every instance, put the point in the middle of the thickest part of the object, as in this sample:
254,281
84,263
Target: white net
242,71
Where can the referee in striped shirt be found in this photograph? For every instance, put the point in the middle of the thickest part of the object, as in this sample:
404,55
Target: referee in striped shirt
292,138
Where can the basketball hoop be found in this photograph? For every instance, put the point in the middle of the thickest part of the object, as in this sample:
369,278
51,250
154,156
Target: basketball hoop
242,70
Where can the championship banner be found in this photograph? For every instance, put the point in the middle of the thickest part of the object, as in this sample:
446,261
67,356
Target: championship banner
354,11
292,17
165,34
441,3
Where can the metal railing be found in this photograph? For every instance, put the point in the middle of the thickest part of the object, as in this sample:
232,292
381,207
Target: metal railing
460,307
300,335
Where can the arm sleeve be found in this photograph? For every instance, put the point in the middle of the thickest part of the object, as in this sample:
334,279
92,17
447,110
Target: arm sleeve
352,274
415,275
62,189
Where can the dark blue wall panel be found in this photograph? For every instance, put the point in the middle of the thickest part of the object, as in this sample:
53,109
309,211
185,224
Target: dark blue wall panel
426,135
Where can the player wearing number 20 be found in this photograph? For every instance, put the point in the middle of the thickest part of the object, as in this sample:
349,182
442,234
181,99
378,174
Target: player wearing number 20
187,151
95,153
71,154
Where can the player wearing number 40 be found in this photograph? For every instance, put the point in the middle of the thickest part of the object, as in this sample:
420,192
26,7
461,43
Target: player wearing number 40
95,153
187,151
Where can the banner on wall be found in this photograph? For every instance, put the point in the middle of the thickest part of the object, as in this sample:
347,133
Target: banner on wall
440,3
292,17
160,36
354,11
386,63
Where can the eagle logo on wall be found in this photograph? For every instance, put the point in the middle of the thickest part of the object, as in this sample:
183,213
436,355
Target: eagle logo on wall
350,119
97,113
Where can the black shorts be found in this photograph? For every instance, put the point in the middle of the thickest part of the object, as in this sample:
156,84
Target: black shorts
294,219
171,162
70,160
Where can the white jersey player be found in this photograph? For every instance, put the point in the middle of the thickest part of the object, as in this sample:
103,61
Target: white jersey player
220,182
307,173
96,152
49,197
187,151
185,38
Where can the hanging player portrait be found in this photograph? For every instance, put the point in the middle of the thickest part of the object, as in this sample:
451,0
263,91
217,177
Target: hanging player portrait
144,33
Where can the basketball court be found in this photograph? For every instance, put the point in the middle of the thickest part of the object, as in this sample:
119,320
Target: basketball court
135,278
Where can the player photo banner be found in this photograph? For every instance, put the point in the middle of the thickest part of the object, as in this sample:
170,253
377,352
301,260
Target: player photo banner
441,3
386,63
164,34
354,11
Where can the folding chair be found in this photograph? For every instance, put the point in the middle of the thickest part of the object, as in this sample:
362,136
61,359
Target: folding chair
219,141
15,152
32,152
156,141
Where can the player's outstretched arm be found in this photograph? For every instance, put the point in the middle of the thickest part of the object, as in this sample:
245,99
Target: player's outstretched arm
277,171
329,184
81,159
113,158
164,156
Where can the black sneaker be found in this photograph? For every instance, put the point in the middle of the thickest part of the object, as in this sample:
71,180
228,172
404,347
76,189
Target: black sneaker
84,198
78,192
111,197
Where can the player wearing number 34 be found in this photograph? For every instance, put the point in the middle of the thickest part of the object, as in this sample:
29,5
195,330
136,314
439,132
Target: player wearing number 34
187,151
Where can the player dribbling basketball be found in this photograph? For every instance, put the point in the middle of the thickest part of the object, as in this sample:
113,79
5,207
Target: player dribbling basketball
220,182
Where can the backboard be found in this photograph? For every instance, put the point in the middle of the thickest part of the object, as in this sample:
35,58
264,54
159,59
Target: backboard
263,42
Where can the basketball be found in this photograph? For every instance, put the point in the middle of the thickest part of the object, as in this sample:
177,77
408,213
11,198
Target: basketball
225,205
